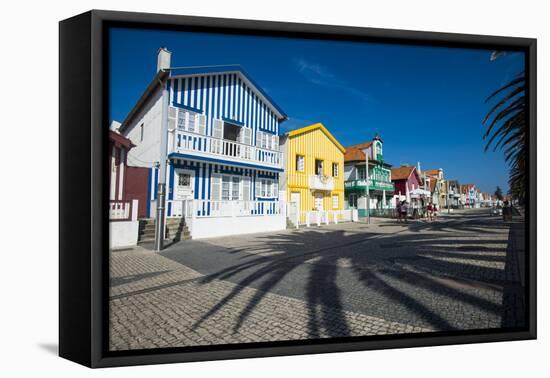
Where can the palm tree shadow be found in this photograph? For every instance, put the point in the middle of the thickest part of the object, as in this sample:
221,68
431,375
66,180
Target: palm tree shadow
314,255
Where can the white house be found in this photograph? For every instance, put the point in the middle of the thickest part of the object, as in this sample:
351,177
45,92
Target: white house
223,159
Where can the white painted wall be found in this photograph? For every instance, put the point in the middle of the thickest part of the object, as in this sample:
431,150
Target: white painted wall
123,234
146,153
210,227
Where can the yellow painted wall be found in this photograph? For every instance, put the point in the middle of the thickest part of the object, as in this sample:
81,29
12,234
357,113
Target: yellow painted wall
313,144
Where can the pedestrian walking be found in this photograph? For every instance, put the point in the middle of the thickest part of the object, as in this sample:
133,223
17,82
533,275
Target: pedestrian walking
398,210
404,210
429,211
434,212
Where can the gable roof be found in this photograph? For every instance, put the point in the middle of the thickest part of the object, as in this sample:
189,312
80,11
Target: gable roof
402,173
355,152
432,172
465,188
153,86
317,126
120,140
177,72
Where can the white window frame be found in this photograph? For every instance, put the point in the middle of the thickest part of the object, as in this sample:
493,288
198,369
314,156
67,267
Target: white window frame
231,187
268,188
303,163
335,169
337,198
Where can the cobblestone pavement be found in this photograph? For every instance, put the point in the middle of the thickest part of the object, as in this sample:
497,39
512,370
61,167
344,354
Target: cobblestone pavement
460,272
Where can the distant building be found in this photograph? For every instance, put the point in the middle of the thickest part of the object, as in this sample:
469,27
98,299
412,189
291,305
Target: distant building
453,187
409,186
471,198
438,186
380,185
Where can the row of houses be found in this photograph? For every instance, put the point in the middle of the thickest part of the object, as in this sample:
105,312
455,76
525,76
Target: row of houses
229,170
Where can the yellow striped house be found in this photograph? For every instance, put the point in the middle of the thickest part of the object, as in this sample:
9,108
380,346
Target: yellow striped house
313,178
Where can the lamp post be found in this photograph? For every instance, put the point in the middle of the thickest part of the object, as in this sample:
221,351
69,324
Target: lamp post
367,184
161,187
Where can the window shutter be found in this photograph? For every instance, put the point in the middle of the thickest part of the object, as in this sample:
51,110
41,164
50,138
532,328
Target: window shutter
259,139
275,189
216,188
258,187
246,188
191,126
247,135
275,142
171,118
217,128
200,120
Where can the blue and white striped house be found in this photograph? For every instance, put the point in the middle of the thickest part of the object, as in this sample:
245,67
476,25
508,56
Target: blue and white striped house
223,149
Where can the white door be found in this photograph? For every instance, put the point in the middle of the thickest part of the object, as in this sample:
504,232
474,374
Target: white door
319,201
294,211
183,190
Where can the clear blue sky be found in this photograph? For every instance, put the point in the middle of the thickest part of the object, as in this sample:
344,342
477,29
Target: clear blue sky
426,103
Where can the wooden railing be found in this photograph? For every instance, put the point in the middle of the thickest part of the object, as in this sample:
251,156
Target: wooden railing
198,144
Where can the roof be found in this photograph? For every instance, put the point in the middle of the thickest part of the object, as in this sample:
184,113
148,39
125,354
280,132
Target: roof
149,91
465,188
432,172
317,126
121,140
230,68
402,173
355,152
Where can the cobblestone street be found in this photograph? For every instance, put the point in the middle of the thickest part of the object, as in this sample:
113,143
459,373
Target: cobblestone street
461,272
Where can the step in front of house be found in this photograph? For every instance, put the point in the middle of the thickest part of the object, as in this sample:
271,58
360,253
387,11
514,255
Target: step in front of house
175,230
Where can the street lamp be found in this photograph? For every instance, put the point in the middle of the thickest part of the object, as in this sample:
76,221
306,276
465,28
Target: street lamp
366,151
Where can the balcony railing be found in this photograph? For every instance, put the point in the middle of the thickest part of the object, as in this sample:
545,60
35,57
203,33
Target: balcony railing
321,182
373,184
208,208
202,145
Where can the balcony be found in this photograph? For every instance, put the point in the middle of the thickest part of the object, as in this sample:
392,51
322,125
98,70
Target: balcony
373,185
199,145
321,182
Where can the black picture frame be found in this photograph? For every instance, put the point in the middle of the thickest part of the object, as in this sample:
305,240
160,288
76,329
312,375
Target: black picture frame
83,227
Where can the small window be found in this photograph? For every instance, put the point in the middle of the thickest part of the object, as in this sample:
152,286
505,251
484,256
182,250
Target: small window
319,167
184,179
335,201
335,169
141,132
299,163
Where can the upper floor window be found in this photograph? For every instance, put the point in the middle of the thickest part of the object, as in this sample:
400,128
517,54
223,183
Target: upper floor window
267,140
335,169
187,120
299,163
318,167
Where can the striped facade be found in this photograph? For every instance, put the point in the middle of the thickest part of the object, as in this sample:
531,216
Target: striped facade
203,179
226,96
221,98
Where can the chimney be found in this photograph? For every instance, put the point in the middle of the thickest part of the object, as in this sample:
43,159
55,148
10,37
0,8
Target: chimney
418,167
163,59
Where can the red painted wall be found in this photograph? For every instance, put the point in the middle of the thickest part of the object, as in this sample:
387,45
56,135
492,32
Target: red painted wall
135,187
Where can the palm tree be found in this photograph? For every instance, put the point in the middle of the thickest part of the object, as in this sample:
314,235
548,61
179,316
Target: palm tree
506,126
